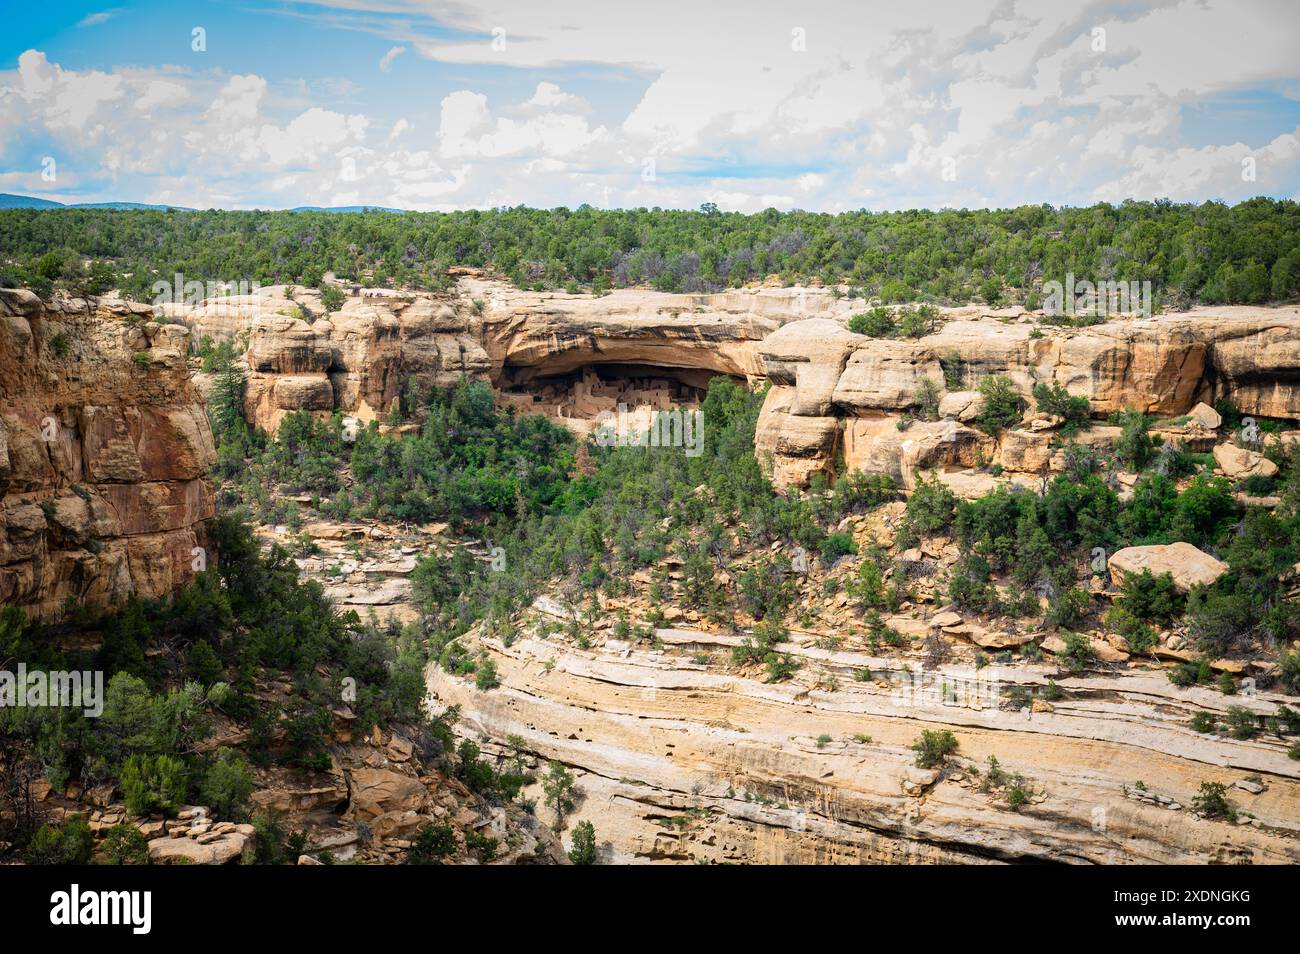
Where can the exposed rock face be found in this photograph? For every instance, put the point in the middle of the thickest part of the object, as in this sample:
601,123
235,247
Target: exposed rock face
553,333
1185,563
355,360
104,450
678,762
825,378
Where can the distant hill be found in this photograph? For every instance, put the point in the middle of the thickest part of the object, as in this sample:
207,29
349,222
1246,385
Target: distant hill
343,208
10,201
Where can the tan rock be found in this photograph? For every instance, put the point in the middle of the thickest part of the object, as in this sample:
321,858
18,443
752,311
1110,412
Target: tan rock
961,406
1185,563
1206,416
1238,463
223,849
378,791
1025,451
104,455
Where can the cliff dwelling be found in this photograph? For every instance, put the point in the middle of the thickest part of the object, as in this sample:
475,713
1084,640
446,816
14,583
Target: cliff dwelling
578,398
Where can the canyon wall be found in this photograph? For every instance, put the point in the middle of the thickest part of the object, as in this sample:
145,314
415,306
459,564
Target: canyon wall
834,395
104,453
837,393
678,760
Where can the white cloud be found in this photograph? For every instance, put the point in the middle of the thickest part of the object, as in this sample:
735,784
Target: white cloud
239,101
161,93
928,103
95,19
550,96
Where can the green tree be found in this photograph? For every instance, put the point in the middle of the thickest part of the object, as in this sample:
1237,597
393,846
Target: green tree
228,785
582,850
558,791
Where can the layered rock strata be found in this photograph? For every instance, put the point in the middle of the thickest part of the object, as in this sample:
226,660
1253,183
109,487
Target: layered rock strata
104,451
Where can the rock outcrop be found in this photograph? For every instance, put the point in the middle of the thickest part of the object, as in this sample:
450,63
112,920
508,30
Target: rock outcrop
679,762
104,452
355,360
832,390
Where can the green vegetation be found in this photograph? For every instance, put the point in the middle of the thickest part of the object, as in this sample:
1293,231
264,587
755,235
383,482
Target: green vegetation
432,844
934,747
1211,252
558,791
1001,407
1212,802
583,848
67,844
125,845
1054,399
256,620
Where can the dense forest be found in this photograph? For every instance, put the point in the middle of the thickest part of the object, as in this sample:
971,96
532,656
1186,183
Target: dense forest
1211,253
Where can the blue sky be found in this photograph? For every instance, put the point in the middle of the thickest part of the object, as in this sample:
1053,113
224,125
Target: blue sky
819,105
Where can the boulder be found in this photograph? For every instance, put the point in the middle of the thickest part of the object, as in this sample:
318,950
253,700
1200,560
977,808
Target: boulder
1185,563
376,792
1238,463
221,850
961,406
1206,416
1025,451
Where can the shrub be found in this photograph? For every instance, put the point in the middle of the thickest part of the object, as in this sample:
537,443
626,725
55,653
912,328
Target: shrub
876,323
1242,723
1203,510
1133,447
153,784
918,322
1289,671
125,845
1203,722
1145,598
1002,405
67,844
1055,399
228,786
856,492
485,678
1219,619
1067,608
837,545
1212,802
927,400
484,846
1078,652
273,845
331,298
431,844
933,747
932,506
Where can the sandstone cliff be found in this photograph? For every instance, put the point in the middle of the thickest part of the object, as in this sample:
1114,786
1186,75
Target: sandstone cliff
104,452
834,392
679,762
355,360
